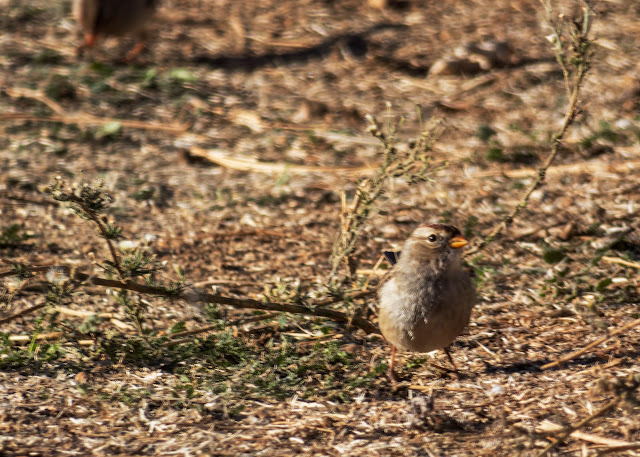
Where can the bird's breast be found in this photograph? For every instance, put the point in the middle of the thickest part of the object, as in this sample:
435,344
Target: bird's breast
424,316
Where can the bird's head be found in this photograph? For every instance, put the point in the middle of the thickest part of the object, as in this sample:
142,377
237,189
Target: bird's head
436,241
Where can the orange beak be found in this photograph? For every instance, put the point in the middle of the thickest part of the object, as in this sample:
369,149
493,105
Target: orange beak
458,242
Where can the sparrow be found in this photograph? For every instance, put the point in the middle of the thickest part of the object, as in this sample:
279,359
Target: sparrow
425,300
98,18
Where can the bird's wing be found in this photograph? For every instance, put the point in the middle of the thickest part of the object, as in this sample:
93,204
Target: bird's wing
392,257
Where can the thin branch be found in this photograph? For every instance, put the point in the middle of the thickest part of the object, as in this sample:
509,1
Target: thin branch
597,342
605,409
103,232
341,298
80,118
542,171
557,43
619,261
243,303
22,313
621,448
582,68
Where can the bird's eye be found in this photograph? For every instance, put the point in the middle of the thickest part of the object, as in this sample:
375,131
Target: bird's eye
432,238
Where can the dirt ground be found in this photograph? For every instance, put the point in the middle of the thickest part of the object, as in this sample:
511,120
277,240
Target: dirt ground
223,146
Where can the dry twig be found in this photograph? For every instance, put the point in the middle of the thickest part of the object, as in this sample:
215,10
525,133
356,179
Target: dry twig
22,313
581,48
605,409
79,118
548,426
619,261
624,328
311,310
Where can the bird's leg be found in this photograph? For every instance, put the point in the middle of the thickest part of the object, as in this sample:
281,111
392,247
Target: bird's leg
89,42
141,37
453,364
134,52
391,372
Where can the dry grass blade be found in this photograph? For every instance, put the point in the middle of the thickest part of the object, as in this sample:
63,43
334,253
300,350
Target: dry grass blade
254,166
38,337
595,168
621,448
599,341
602,411
89,120
619,261
548,426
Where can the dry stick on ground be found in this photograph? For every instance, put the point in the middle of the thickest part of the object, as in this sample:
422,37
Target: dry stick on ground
621,448
549,426
605,409
243,303
82,118
79,313
22,313
626,263
242,321
582,68
624,328
352,296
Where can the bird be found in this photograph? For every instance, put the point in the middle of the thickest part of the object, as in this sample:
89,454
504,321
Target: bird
100,18
425,300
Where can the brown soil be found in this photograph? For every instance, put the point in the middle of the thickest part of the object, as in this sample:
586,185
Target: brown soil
289,82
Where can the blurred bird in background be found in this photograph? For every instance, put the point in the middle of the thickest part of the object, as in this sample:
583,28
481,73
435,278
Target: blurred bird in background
102,18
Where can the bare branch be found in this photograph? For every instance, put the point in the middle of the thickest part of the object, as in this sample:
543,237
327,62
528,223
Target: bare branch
244,303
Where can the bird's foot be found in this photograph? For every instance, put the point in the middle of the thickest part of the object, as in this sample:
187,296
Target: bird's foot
87,44
393,376
131,55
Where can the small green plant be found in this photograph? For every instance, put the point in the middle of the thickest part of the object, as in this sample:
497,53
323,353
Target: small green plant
485,133
128,260
410,161
59,87
12,235
496,154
